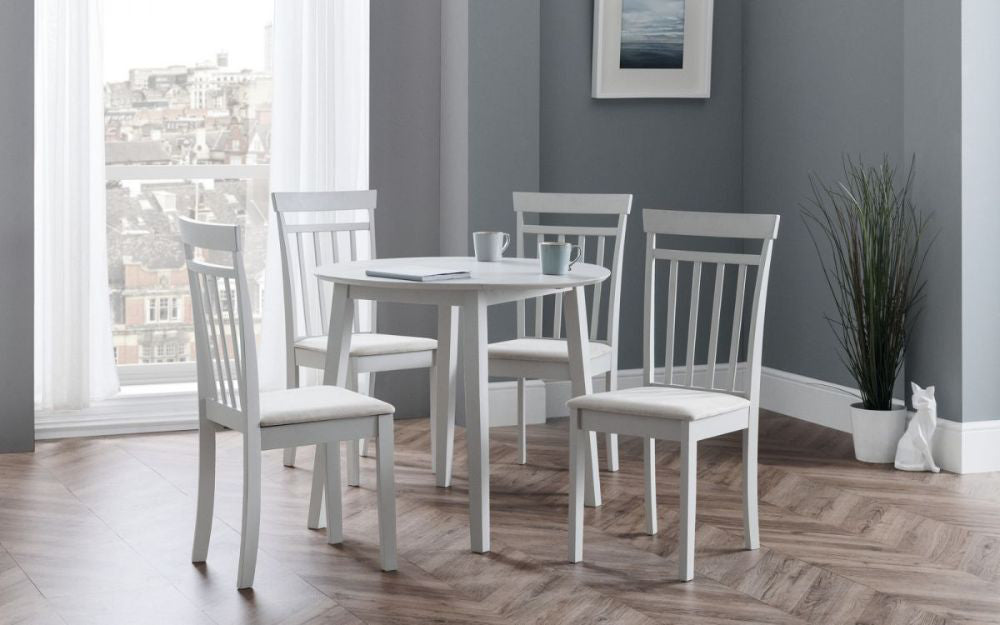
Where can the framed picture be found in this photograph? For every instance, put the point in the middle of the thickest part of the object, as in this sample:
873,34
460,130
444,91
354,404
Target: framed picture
652,48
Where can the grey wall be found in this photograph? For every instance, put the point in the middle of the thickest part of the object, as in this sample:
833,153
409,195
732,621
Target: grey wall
405,165
820,79
503,133
17,425
932,128
455,127
680,154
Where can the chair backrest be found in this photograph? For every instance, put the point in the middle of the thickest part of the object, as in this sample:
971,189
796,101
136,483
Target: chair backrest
729,306
314,229
600,244
223,319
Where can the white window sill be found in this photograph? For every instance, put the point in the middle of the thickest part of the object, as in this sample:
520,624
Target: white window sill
137,409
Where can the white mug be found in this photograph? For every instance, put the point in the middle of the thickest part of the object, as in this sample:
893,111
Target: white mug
490,246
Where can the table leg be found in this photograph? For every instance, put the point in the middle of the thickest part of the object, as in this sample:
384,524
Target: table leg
477,424
338,350
447,372
338,341
575,311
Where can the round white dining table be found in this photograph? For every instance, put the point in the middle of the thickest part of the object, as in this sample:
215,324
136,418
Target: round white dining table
507,280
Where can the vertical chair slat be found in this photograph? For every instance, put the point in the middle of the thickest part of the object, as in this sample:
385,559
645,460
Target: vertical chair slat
245,320
539,302
595,307
522,328
237,345
351,235
713,338
557,311
649,334
318,255
734,344
225,344
306,316
581,240
668,366
758,282
220,381
372,315
693,320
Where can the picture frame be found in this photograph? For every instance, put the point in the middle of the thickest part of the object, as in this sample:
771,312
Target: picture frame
639,51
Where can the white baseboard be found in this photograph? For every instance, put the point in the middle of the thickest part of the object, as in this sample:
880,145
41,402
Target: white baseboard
959,447
969,447
503,403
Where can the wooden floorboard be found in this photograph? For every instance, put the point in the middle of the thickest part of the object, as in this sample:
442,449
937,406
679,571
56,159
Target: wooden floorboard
99,531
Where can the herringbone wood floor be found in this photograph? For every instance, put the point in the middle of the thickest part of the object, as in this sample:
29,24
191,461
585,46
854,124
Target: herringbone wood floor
99,530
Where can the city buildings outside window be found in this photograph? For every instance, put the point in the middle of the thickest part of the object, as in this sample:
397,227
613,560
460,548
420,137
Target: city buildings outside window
183,137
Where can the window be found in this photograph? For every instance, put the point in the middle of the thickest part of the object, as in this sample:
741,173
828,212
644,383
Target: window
187,133
162,309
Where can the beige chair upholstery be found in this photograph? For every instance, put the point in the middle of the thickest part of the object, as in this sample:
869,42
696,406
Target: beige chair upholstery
373,344
317,403
662,402
541,350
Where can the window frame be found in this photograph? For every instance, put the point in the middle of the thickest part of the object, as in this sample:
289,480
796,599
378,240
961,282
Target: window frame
175,372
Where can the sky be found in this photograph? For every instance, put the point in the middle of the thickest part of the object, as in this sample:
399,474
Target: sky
154,33
653,21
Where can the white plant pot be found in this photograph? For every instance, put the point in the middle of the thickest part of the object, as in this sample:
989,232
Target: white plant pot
876,433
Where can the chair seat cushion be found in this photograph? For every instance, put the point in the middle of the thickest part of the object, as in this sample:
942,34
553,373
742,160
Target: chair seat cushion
317,403
661,402
373,344
540,350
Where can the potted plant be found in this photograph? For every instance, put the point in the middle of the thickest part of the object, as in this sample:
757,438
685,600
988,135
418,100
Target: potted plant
867,234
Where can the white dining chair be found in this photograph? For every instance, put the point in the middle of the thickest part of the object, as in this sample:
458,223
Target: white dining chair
540,351
713,397
229,397
317,228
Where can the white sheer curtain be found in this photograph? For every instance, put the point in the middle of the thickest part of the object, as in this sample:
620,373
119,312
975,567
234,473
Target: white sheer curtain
319,136
74,362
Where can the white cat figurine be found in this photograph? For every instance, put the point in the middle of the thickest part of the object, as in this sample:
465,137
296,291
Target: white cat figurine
914,450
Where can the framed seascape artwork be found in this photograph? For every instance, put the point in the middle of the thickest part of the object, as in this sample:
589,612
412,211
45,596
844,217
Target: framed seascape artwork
652,48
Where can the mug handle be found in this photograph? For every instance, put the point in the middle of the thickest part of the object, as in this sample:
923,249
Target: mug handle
506,243
573,260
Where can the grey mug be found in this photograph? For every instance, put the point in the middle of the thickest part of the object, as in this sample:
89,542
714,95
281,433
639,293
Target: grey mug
558,258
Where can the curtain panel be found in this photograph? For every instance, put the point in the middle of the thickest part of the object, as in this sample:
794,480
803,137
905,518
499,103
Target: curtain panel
74,359
319,136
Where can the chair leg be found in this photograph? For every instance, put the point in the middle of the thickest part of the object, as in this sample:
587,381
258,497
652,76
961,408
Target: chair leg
433,417
577,466
610,438
649,468
250,531
289,455
522,433
689,483
334,509
206,490
592,498
314,521
751,522
353,449
386,486
371,393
